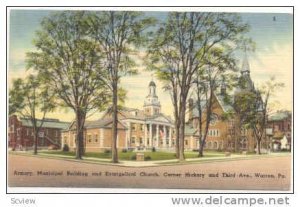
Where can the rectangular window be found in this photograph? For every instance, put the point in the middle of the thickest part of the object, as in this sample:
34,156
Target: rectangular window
18,131
132,140
95,138
141,127
133,127
27,132
186,142
89,138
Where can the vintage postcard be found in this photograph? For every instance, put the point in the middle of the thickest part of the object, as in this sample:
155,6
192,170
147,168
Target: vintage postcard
137,98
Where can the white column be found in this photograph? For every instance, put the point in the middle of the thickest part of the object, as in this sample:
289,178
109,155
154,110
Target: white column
150,138
145,135
165,137
170,137
157,136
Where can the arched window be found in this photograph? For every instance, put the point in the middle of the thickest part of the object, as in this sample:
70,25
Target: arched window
215,145
209,145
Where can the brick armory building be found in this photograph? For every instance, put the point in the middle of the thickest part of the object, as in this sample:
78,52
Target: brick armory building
20,133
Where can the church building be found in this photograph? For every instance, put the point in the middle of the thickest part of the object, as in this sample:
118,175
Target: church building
224,134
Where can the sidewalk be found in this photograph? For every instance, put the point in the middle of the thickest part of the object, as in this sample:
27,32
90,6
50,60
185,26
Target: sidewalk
127,163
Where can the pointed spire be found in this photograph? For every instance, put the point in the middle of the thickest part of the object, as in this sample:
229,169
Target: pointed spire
245,65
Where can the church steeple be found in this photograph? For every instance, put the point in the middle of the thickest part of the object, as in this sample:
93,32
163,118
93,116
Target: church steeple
245,79
151,103
245,66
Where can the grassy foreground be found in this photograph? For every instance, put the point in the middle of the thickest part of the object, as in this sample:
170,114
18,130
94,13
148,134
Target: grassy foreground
130,155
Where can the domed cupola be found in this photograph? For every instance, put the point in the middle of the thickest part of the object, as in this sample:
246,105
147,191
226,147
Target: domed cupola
151,103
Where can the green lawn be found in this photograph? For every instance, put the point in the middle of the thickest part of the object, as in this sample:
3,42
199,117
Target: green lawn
130,155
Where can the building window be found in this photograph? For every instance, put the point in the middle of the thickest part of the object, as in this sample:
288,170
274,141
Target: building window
96,138
141,127
167,142
141,140
186,142
148,141
132,140
89,138
209,145
18,131
27,131
215,145
133,127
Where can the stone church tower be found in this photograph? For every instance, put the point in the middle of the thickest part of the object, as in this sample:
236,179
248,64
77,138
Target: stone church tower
151,104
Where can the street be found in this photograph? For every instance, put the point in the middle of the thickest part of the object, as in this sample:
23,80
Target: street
266,173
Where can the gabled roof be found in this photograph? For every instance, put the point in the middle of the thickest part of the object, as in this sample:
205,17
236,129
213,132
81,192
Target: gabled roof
100,123
189,130
226,107
160,117
280,115
48,123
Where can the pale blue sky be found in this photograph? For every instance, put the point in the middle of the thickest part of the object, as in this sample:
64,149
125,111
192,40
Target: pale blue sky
273,55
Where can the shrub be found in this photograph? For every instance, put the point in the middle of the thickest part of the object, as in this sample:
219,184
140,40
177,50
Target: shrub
106,151
153,149
124,150
66,148
147,158
133,157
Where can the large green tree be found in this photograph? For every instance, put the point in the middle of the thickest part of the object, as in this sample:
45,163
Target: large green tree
70,63
27,98
257,117
218,72
118,33
179,49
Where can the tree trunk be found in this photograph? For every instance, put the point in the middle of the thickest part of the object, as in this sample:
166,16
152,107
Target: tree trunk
181,132
80,119
201,147
177,137
258,146
35,140
114,150
237,136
